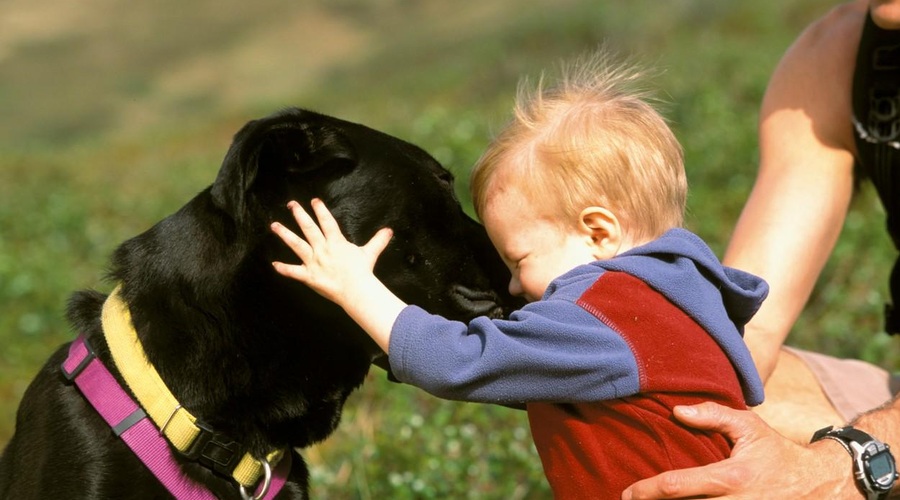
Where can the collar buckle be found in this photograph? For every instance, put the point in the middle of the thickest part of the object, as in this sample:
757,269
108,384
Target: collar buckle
80,354
214,450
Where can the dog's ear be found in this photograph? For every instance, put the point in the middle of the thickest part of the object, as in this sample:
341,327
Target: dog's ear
276,148
303,148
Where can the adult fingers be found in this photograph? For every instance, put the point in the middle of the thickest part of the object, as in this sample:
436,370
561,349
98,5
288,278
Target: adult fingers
714,480
709,481
736,424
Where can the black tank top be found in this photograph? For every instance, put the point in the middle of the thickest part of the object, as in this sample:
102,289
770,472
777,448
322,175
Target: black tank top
876,122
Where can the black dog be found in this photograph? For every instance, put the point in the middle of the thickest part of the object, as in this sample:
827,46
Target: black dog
259,358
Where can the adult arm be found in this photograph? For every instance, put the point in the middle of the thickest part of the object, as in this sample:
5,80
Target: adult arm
797,207
786,232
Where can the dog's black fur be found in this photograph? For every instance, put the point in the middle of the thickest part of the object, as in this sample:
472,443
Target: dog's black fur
259,357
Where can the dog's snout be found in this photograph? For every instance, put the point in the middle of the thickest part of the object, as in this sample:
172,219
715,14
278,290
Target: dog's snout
476,302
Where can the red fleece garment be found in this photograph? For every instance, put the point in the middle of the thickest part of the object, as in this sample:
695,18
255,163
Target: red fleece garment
596,450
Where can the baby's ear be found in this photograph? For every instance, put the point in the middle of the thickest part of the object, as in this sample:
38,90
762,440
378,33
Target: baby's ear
602,227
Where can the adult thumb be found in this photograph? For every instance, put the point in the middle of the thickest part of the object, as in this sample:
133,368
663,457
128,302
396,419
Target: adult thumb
735,424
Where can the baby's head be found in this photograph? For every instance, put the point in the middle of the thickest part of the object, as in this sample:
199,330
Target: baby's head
591,140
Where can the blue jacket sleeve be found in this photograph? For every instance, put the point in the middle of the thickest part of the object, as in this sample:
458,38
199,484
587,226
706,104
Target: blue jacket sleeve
550,351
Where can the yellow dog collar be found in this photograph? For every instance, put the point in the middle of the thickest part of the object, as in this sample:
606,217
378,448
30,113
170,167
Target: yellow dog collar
176,423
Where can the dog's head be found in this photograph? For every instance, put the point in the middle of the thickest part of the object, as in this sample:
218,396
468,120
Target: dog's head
205,299
439,258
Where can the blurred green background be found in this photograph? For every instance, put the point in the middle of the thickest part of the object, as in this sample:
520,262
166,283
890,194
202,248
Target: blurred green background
113,114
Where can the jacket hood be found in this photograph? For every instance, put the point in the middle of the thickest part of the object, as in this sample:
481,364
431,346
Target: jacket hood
684,269
742,293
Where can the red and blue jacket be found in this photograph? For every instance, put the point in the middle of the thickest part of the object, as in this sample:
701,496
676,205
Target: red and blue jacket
601,360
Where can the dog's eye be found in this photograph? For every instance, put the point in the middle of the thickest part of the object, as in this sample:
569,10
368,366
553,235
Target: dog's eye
446,178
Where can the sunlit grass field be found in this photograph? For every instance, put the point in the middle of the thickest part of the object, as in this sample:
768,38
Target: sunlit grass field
110,121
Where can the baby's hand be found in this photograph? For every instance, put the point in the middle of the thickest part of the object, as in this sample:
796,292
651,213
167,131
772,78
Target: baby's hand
332,266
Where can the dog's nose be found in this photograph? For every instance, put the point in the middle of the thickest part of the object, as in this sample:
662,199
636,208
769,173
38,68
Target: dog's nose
476,302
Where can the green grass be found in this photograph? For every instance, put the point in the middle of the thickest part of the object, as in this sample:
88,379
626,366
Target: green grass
108,124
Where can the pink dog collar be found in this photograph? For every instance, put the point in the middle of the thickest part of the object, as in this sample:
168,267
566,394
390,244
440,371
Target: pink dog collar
129,422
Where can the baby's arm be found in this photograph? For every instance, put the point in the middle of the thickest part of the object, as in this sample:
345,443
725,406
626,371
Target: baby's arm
341,271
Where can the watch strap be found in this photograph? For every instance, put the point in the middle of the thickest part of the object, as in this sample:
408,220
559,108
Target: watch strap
841,441
845,435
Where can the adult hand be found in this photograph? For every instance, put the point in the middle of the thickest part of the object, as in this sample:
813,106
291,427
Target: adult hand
763,464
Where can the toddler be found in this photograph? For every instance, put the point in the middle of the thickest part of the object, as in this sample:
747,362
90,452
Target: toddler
583,195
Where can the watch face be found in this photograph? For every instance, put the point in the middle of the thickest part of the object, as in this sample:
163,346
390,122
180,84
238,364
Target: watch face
881,468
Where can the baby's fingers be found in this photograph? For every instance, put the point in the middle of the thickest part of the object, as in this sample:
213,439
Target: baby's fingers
309,227
297,272
328,224
379,242
296,243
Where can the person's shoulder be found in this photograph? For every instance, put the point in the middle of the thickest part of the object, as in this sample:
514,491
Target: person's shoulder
834,34
570,285
815,76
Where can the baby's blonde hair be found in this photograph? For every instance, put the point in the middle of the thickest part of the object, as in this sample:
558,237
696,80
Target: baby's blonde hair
591,140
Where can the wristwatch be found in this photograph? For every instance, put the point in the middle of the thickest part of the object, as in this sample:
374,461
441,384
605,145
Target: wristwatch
873,464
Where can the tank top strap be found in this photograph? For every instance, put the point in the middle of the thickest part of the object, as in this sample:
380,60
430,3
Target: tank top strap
876,125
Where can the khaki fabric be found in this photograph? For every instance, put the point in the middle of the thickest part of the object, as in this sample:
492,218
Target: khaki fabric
851,385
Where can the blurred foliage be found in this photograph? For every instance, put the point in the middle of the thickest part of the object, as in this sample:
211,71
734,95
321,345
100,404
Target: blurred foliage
112,115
